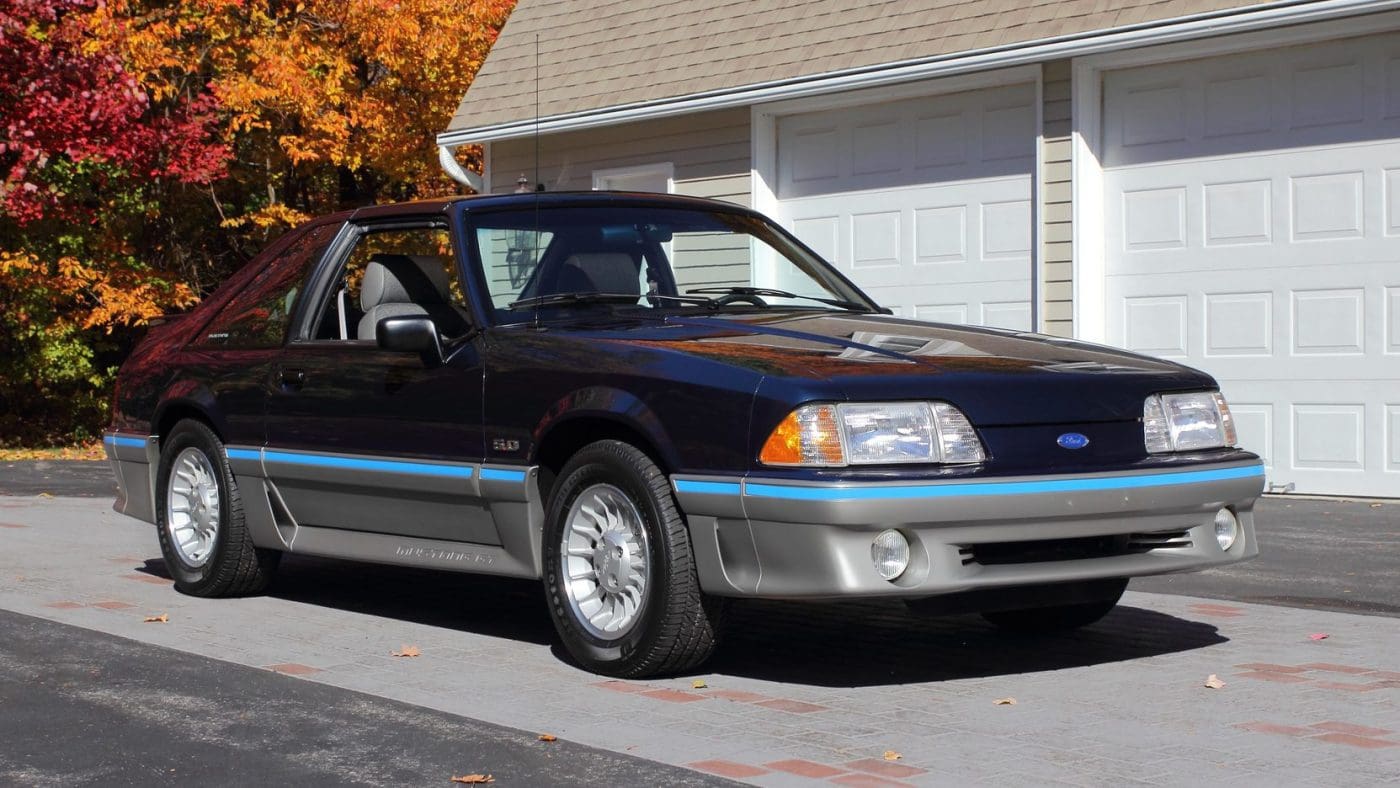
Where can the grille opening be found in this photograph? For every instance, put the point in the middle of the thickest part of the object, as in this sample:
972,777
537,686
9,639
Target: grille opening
1048,550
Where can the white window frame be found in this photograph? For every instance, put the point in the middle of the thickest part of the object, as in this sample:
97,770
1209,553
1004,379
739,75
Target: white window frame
665,169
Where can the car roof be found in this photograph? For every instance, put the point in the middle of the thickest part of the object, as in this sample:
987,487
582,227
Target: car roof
531,199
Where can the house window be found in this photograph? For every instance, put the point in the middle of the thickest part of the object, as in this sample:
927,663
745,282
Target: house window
657,177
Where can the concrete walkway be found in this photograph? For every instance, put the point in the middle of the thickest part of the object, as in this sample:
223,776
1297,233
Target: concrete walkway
799,693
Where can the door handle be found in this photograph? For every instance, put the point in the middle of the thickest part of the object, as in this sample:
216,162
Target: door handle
293,378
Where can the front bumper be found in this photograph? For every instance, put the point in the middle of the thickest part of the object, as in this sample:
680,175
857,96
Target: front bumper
788,539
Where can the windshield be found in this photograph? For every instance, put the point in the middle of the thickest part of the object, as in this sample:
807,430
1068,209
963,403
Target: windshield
644,257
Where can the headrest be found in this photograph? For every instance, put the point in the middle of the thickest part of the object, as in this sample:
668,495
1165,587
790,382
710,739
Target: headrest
403,279
608,272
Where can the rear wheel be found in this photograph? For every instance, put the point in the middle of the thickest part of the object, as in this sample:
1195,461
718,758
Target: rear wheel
618,571
199,518
1061,618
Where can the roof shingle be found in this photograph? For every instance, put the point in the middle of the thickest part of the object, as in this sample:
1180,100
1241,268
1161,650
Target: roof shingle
595,54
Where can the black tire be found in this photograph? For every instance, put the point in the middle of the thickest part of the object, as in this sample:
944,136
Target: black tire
234,566
677,626
1060,618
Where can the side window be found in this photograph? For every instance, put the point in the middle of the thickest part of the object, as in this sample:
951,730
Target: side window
398,272
258,316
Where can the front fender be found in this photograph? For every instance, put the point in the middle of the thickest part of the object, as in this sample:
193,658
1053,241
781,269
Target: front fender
605,403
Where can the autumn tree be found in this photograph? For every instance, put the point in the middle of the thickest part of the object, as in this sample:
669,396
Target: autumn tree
149,147
90,171
329,103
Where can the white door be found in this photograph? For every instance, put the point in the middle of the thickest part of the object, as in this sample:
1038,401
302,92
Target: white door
1253,231
925,203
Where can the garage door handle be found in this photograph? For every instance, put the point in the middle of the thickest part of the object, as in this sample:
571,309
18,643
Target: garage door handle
293,378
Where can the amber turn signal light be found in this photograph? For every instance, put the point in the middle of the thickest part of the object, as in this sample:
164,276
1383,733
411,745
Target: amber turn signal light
809,435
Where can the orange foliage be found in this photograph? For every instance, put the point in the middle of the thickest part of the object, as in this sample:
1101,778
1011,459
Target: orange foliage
84,295
363,85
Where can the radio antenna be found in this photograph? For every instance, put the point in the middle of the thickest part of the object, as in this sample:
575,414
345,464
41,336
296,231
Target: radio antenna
539,187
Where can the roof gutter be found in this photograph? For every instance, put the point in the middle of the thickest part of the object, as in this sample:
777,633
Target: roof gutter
1268,15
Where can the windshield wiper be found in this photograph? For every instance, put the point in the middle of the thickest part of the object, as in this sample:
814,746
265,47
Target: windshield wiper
557,299
775,293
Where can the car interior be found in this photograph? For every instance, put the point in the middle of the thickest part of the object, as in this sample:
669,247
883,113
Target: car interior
395,273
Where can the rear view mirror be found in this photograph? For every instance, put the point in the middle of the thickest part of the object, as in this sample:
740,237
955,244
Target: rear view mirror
410,335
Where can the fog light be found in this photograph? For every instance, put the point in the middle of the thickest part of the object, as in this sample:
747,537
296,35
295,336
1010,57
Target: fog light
1227,528
890,552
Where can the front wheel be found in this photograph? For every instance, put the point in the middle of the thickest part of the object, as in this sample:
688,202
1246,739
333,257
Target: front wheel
1062,618
618,570
199,516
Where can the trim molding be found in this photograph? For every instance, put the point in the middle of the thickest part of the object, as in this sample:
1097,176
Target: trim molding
851,491
990,488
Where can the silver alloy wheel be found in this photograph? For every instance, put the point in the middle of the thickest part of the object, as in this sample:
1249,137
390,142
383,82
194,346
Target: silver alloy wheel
605,561
192,507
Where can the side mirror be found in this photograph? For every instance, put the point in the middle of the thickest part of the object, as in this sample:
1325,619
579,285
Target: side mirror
410,335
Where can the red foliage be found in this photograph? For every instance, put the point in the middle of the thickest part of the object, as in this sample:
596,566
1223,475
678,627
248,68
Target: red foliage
64,93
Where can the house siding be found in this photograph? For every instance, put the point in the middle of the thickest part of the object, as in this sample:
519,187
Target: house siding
711,154
1056,210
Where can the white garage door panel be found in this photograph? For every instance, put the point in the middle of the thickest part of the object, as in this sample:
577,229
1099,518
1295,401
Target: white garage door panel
925,203
1252,209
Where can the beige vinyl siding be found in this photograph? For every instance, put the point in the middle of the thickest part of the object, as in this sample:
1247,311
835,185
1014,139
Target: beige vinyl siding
709,261
710,154
1056,212
709,151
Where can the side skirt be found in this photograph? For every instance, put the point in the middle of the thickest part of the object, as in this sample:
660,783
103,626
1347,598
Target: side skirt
509,492
409,551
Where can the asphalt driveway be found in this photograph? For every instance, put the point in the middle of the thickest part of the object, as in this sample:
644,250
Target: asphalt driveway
798,694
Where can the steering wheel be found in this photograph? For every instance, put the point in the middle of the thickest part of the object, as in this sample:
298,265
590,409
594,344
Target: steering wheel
745,298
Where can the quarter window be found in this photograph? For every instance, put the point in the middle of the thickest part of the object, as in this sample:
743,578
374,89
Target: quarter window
258,316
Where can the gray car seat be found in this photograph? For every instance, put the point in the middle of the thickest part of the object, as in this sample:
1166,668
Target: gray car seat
399,285
599,272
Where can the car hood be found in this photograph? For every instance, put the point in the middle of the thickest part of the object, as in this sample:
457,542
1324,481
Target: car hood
996,376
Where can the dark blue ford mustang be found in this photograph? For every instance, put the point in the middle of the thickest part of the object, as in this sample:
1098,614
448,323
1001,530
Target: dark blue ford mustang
654,403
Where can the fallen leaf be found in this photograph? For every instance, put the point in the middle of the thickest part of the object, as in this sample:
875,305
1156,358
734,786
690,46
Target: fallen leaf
160,619
1375,506
1005,701
1214,682
548,737
408,651
45,495
1318,636
473,779
891,755
698,684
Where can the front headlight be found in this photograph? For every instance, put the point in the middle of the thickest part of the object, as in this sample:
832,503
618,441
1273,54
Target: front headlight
1187,422
873,434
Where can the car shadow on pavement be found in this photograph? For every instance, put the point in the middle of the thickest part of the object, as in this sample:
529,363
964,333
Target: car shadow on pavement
829,644
853,644
494,606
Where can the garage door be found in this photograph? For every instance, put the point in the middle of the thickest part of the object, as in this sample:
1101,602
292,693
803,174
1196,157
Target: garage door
924,203
1253,230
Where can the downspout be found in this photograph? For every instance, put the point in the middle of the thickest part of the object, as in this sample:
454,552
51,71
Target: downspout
455,170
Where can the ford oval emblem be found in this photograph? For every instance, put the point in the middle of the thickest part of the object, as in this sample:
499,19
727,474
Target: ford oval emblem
1073,440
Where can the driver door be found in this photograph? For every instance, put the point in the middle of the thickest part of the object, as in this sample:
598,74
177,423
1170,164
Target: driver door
364,439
